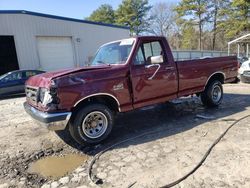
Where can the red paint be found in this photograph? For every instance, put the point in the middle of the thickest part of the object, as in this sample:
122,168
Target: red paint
174,79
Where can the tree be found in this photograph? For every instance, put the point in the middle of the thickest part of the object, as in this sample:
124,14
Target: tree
133,13
104,14
238,18
216,9
195,12
189,40
162,19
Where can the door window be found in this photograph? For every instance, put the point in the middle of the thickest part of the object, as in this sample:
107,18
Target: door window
28,74
146,51
139,58
156,49
13,76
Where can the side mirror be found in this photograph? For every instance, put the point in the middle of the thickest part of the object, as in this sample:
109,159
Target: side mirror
156,59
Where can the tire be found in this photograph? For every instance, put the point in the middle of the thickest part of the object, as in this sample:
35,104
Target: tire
91,124
213,94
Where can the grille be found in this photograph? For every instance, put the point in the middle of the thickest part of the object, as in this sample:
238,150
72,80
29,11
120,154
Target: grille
32,93
246,73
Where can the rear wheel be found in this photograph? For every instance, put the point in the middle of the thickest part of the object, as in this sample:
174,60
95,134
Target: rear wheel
92,124
213,94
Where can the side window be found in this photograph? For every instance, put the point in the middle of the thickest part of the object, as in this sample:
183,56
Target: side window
28,74
13,76
156,47
148,50
139,58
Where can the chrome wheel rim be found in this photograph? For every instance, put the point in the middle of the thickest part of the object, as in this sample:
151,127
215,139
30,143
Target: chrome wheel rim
216,93
95,124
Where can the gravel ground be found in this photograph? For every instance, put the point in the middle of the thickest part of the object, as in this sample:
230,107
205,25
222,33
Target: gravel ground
149,161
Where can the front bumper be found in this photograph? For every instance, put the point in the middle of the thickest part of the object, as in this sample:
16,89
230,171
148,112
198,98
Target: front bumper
245,78
53,121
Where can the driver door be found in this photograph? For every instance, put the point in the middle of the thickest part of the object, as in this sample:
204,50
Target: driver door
154,79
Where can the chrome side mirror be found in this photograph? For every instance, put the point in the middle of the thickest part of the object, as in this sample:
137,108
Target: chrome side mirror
156,59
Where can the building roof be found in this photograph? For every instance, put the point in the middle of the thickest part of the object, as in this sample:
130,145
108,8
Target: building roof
242,39
60,18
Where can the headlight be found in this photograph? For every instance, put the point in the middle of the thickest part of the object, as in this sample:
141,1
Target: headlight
44,96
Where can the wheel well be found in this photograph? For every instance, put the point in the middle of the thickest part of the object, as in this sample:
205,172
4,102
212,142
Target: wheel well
101,99
217,76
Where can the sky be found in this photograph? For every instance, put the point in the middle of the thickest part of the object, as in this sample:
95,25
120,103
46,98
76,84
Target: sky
79,9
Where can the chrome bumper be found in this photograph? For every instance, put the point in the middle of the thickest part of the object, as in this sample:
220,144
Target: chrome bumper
245,78
53,121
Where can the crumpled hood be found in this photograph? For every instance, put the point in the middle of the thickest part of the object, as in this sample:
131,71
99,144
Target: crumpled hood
44,80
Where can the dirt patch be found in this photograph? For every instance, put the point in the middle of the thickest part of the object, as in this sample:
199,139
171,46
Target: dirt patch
22,142
16,167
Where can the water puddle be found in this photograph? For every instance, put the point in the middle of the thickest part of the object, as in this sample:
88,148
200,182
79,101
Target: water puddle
55,166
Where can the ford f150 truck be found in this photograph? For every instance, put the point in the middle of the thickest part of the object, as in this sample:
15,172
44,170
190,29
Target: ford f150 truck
124,75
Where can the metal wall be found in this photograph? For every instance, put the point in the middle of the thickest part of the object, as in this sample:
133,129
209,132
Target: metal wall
195,54
86,38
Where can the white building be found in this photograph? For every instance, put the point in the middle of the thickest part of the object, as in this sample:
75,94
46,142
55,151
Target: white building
30,40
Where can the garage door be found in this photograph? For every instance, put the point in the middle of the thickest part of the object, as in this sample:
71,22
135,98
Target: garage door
55,53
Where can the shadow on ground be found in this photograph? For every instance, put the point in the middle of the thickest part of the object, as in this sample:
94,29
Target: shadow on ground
4,97
167,119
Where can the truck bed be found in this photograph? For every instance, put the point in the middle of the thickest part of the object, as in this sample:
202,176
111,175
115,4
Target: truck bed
193,74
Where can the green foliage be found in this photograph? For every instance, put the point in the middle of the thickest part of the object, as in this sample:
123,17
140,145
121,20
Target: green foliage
189,38
104,14
192,24
216,15
237,18
133,13
193,8
193,12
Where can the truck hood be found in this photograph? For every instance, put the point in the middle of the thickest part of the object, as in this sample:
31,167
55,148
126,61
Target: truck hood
44,80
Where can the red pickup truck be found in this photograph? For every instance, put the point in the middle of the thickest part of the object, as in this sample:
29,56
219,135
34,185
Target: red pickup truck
124,75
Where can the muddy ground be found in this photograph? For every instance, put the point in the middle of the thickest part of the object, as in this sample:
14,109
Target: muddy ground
152,160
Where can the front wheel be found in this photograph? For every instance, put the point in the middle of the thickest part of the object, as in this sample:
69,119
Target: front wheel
213,94
92,124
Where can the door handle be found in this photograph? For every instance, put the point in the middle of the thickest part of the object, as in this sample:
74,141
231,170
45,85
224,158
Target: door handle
153,65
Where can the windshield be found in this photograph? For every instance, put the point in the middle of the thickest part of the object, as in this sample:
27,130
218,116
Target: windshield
113,53
4,75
